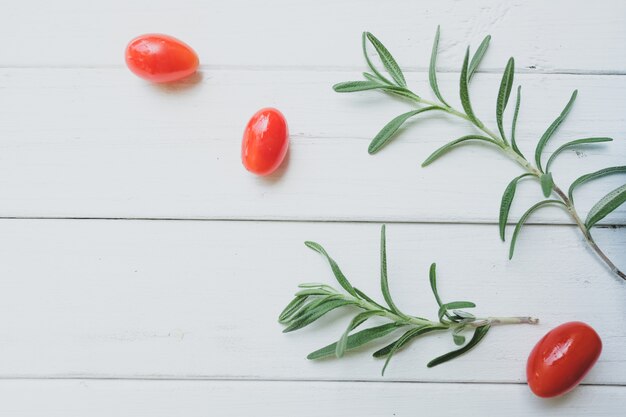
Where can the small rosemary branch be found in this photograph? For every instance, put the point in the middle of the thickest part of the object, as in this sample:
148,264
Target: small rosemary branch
397,86
314,300
508,150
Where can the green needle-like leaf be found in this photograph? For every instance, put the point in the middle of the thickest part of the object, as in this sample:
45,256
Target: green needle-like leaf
463,314
341,278
312,305
360,318
432,274
291,309
408,336
458,339
384,284
313,291
387,59
605,206
464,92
432,69
505,203
356,340
448,146
478,56
547,184
514,123
372,77
316,313
380,76
503,95
352,86
381,353
523,219
592,176
572,144
552,128
444,309
479,334
386,134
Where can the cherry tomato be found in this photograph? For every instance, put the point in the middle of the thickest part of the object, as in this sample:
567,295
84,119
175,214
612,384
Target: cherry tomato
265,141
160,58
562,358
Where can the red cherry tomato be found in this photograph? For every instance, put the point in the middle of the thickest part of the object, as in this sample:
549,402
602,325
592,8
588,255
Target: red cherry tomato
265,141
562,358
160,58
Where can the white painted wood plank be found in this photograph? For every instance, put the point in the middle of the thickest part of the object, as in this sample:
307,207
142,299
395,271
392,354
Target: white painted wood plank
543,36
67,398
189,299
101,143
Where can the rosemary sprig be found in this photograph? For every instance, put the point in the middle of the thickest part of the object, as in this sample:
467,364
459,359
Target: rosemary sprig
542,174
314,300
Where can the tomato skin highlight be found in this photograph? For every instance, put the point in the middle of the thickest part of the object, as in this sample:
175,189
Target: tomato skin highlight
562,358
265,141
160,58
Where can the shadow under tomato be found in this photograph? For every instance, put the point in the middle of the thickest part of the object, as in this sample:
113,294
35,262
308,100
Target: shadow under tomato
557,402
181,85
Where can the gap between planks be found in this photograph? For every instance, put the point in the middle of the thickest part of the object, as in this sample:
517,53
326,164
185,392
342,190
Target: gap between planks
332,68
191,378
287,220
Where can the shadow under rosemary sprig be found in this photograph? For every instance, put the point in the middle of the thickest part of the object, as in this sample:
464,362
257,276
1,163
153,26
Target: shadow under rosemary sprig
397,86
314,300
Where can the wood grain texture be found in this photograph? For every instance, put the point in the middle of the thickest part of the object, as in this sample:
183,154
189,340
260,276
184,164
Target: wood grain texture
543,36
178,317
200,299
101,143
79,398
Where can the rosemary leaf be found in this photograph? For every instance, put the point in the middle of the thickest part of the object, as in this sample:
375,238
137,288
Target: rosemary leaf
478,56
384,284
291,309
397,345
605,206
458,339
448,146
523,219
357,339
572,144
552,128
505,203
388,60
352,86
592,176
341,278
503,95
380,76
445,308
386,133
359,319
432,70
432,274
547,184
315,314
479,334
383,352
514,122
464,92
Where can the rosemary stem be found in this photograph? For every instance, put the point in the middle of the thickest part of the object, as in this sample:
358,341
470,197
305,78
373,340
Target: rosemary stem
419,321
508,151
590,241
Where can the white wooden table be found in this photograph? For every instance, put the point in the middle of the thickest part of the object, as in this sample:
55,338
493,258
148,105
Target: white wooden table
142,268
